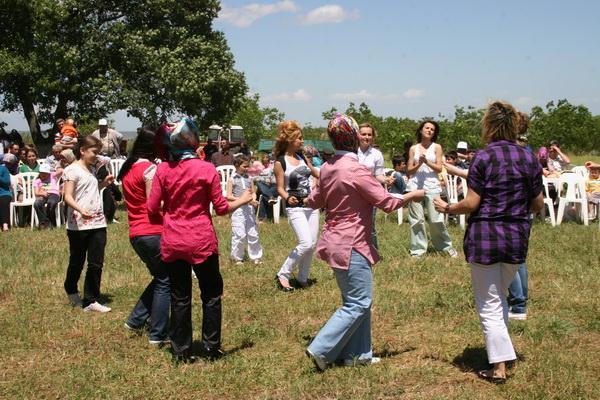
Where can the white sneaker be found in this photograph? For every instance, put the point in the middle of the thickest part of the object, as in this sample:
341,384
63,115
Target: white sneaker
75,300
257,262
452,253
368,361
97,307
517,316
239,263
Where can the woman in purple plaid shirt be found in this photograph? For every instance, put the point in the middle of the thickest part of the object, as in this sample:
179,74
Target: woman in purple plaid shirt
505,185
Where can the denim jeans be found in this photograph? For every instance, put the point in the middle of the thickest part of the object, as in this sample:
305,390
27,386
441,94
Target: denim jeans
518,291
211,290
347,334
267,191
89,242
155,301
45,208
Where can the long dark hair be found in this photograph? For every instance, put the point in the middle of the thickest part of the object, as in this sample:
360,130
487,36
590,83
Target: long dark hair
435,135
143,147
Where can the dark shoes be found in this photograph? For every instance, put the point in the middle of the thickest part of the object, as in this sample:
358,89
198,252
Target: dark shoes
488,375
184,359
211,354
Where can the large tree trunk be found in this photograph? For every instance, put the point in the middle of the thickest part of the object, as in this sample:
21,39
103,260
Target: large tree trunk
43,144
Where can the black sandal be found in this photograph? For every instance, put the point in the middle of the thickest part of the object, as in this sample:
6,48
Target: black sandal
493,379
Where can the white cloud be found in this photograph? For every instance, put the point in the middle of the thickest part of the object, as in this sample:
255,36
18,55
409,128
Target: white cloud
331,13
360,95
243,17
299,95
413,93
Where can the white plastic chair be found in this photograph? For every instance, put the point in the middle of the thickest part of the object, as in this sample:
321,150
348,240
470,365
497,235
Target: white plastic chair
574,193
452,183
581,171
26,180
548,203
114,167
225,172
276,208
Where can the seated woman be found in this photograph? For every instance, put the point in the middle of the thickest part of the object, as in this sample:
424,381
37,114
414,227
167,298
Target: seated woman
348,191
557,160
266,186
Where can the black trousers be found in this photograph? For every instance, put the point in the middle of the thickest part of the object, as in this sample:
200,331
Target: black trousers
45,208
81,243
5,209
211,290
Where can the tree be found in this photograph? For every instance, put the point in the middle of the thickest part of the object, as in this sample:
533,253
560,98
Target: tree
153,58
257,122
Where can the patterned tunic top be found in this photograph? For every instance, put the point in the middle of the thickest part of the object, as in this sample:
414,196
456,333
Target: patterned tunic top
507,177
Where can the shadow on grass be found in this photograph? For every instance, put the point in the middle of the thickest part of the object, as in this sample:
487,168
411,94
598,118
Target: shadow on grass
105,298
471,359
246,344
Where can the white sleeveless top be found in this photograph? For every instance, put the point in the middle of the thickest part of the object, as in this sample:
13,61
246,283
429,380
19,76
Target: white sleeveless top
297,179
425,177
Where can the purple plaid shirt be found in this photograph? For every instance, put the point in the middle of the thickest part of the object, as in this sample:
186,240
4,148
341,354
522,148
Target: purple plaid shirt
507,177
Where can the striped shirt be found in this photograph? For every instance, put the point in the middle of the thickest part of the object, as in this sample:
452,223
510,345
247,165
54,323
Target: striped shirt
507,177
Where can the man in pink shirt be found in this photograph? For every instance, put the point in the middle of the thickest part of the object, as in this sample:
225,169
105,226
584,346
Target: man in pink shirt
348,191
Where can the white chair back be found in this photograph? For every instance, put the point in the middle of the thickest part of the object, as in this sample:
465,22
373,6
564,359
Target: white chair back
114,167
25,179
571,189
225,172
581,171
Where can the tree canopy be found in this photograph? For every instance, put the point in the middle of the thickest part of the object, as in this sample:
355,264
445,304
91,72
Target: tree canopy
153,58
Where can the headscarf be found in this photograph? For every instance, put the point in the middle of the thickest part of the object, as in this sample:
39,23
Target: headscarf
174,142
343,133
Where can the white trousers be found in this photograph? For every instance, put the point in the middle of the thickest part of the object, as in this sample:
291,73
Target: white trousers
244,233
305,223
490,286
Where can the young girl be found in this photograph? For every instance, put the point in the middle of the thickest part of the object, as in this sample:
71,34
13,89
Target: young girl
243,222
185,186
144,234
424,165
86,226
47,196
592,188
292,174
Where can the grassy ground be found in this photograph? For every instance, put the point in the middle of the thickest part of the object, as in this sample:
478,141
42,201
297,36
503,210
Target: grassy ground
424,326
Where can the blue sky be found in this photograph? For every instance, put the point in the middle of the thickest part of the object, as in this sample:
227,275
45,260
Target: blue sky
410,58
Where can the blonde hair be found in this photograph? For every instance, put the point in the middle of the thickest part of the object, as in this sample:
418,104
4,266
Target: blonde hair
368,125
500,122
287,131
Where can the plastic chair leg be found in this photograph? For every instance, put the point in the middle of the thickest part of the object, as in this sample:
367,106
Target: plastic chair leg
400,216
277,210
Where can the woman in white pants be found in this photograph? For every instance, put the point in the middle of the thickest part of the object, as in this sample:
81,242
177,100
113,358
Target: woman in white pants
505,185
293,176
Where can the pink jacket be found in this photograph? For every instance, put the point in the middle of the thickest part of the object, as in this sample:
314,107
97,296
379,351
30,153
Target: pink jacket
348,191
187,187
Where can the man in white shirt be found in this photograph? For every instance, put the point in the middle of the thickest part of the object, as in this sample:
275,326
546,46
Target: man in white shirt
111,139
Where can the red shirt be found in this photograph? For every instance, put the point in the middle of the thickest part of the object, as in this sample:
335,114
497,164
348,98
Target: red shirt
134,192
187,188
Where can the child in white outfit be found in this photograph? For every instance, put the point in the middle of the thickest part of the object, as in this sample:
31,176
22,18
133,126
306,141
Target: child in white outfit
244,231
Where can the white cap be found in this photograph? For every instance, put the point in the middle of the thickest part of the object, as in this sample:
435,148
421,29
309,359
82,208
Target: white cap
462,146
44,168
102,122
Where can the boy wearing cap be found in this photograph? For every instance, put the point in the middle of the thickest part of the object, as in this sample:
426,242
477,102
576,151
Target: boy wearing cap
110,138
47,196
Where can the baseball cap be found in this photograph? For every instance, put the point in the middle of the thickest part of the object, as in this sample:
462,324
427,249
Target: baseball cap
102,122
44,168
462,146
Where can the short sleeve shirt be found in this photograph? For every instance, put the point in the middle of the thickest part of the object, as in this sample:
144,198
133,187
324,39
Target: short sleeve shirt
507,177
85,194
372,159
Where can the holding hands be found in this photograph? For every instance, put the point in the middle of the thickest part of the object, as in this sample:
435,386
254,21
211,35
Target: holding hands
440,205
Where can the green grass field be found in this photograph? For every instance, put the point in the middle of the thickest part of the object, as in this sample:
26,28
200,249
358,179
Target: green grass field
424,325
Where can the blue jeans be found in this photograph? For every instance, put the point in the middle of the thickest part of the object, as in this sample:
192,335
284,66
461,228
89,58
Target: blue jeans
518,291
267,191
155,301
347,334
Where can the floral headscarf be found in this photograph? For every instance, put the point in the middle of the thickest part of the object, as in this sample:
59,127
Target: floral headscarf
343,133
174,141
